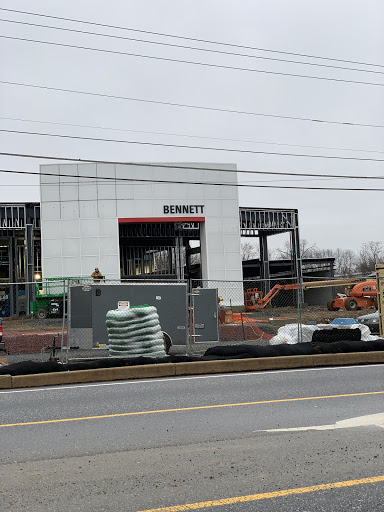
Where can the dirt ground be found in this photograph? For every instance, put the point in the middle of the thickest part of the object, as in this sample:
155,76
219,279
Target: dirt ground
319,314
31,336
27,324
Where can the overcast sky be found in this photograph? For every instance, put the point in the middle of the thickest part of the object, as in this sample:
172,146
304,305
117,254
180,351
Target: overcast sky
349,30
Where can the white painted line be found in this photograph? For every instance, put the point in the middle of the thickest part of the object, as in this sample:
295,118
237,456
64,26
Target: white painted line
360,421
264,373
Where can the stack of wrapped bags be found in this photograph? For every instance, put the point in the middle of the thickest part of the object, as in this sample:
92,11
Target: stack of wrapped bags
135,332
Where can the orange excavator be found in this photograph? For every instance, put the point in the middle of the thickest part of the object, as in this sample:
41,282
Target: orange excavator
358,294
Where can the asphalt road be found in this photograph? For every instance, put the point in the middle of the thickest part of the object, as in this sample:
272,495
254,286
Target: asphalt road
198,443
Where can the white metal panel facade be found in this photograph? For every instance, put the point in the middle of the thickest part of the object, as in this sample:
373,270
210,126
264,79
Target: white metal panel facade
80,214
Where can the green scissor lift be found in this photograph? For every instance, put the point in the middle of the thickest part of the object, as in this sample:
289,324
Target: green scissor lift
52,289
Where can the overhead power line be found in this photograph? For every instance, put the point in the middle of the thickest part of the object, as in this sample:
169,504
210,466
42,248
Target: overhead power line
195,48
192,62
86,184
189,167
186,105
184,135
186,38
143,180
182,146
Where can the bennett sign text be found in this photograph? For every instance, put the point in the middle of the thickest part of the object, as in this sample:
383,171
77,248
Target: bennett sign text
183,208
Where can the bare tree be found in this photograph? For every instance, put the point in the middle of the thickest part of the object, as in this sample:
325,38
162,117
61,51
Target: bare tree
160,261
196,259
248,251
345,262
306,250
323,253
370,253
273,254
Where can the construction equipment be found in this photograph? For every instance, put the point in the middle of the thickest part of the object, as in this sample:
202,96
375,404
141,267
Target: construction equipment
380,296
253,297
361,295
50,294
254,300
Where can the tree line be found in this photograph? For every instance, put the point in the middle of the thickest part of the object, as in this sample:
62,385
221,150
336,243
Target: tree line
347,261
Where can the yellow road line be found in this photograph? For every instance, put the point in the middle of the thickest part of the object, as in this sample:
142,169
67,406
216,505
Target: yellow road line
138,413
265,495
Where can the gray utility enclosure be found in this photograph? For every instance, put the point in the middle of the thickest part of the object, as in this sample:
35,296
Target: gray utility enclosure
89,304
204,303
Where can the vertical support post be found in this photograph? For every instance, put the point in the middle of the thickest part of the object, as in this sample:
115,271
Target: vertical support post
65,293
188,259
191,327
12,276
380,296
204,256
242,325
264,264
296,257
29,266
332,276
179,258
169,259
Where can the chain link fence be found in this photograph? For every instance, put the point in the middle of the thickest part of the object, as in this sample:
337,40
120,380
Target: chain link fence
90,300
65,318
252,311
33,319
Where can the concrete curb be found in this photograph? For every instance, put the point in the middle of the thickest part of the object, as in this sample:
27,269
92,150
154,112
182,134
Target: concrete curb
348,359
5,381
243,365
102,374
192,368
